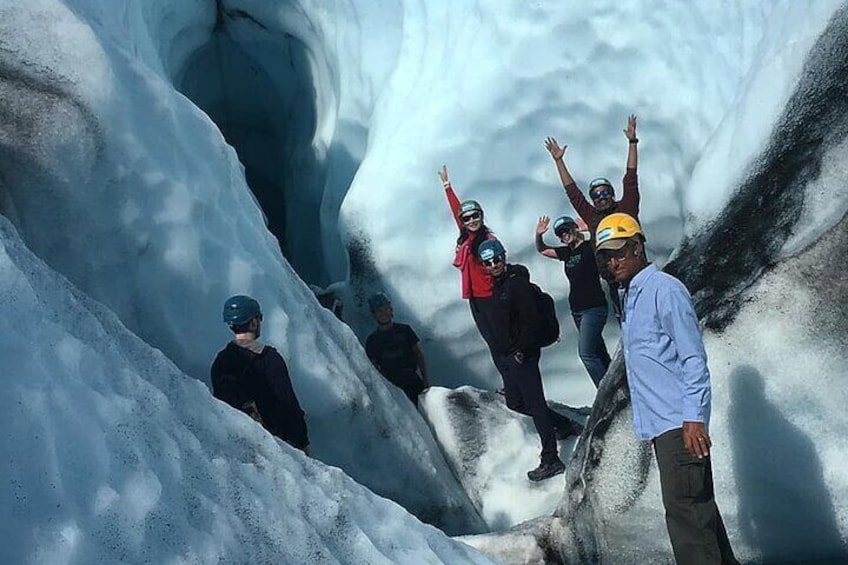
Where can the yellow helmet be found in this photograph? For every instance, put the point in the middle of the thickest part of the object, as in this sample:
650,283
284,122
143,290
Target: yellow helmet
614,231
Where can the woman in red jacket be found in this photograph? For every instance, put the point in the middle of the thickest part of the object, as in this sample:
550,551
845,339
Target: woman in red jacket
476,281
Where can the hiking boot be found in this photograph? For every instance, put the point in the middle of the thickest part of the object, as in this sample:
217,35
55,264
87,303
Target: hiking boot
546,471
573,429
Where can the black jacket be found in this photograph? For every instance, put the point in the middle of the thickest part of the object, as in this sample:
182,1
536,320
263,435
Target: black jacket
517,315
266,382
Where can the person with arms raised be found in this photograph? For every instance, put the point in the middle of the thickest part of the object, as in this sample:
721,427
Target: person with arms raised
585,296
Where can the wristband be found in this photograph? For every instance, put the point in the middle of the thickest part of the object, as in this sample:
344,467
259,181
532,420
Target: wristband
446,184
634,140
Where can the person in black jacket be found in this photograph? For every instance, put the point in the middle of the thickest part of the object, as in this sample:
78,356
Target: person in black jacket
516,322
253,377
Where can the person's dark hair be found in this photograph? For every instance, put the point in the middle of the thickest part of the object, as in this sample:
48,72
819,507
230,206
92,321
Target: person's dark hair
482,235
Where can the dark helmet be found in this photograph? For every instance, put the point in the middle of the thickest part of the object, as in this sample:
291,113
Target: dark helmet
470,206
378,300
490,249
240,309
563,224
599,182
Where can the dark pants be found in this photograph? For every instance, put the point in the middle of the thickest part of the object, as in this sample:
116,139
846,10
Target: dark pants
409,382
524,394
483,311
694,524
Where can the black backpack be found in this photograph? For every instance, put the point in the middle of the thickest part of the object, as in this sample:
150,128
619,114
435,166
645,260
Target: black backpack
548,330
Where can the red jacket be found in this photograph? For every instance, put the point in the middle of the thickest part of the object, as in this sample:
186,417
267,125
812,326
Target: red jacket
476,282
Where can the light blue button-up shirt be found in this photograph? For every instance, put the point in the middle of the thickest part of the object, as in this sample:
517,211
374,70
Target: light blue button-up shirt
664,354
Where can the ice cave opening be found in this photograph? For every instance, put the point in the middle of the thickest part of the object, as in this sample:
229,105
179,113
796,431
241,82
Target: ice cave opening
256,84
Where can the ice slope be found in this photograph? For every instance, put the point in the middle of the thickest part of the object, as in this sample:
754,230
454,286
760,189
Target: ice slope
112,454
491,448
118,182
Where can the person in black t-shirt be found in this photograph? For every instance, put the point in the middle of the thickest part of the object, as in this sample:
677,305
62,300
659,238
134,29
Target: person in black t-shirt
585,297
394,350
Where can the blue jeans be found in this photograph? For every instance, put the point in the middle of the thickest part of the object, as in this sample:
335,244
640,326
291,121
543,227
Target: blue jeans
591,347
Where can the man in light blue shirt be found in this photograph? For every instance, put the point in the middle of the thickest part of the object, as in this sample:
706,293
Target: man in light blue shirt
669,389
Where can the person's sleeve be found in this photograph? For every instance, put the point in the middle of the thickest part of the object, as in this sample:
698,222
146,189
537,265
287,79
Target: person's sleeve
579,202
629,203
524,303
562,253
222,385
454,204
293,419
411,336
678,320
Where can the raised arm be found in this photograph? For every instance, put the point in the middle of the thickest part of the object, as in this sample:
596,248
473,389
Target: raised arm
578,201
541,246
632,142
453,201
629,203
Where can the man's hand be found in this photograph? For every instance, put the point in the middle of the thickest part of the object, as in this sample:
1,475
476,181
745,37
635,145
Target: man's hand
630,132
696,440
542,225
443,175
554,149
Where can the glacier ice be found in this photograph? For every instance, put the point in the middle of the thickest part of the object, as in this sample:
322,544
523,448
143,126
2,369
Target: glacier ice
120,183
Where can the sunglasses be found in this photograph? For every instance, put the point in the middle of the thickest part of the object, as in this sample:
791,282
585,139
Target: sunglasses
562,230
608,255
601,194
470,217
494,261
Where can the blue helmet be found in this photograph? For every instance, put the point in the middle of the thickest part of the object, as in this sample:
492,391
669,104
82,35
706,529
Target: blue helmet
240,309
378,300
563,223
490,249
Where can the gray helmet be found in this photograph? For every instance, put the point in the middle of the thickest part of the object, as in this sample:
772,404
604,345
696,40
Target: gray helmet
490,249
378,300
470,206
599,182
564,223
240,309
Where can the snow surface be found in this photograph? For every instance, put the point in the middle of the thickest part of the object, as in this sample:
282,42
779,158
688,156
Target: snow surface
138,208
491,448
111,454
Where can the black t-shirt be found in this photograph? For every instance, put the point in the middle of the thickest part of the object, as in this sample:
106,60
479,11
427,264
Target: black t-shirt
582,272
392,350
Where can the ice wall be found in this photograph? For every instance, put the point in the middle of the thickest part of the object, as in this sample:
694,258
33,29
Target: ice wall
111,454
122,185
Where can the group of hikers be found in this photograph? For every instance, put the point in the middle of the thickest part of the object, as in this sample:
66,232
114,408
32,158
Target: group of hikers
663,349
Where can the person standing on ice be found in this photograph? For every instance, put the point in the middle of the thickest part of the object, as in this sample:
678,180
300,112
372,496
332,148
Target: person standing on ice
393,349
602,193
585,295
253,378
476,281
516,322
670,391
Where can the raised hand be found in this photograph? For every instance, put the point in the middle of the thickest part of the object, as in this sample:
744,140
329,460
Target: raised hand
630,132
443,174
542,225
554,149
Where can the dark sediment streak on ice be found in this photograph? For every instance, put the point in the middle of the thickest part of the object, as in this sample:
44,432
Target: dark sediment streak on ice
719,264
